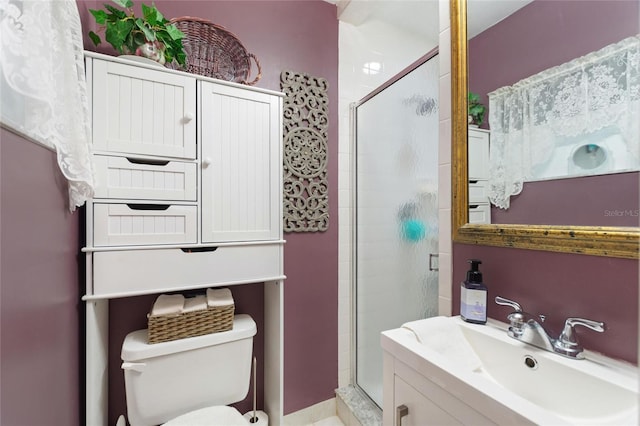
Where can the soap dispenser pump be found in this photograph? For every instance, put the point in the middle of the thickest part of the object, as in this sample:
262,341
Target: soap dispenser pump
473,296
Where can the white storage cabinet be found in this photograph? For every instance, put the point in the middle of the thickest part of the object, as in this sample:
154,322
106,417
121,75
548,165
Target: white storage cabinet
187,163
188,174
478,165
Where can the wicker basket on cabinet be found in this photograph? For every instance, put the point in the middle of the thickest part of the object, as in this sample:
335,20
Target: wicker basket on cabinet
213,51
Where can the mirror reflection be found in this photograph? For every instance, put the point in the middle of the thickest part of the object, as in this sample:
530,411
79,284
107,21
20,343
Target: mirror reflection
559,143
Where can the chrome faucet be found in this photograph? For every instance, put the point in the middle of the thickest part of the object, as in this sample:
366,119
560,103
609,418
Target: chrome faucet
528,329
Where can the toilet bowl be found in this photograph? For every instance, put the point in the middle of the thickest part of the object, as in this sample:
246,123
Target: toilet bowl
188,381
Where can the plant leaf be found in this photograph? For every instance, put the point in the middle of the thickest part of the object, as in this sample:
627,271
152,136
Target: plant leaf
95,38
148,33
163,36
124,3
138,39
181,57
117,32
174,32
115,13
100,15
151,15
159,16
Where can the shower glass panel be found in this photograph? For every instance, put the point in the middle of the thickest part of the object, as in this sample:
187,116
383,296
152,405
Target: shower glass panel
396,198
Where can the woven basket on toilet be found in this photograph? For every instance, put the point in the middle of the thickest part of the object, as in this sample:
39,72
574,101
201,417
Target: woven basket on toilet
175,317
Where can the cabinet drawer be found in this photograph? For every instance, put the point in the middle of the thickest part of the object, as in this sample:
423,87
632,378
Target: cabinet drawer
129,224
478,192
121,177
173,269
479,213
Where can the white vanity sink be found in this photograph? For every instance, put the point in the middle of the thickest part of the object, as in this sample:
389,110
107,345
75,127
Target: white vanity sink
476,374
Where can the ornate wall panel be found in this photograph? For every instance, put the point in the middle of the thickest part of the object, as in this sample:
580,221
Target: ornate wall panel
306,197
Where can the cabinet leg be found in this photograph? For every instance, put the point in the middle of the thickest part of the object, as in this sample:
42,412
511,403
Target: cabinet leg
97,366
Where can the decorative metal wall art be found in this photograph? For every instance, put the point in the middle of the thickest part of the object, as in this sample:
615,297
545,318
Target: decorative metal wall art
306,197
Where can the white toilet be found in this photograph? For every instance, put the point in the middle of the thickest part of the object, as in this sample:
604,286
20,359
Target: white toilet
188,381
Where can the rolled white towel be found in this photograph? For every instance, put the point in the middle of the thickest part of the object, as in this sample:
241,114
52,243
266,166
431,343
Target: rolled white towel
168,304
197,303
444,336
219,297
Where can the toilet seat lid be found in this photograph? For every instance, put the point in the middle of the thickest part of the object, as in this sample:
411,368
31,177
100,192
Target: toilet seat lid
210,416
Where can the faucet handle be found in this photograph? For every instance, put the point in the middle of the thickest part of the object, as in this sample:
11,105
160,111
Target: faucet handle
506,302
567,343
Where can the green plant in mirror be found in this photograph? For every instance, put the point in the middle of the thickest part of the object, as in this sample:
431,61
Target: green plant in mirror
476,109
151,35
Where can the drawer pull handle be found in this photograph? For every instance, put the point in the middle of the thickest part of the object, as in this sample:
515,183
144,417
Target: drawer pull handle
149,162
198,249
401,411
473,182
473,206
158,207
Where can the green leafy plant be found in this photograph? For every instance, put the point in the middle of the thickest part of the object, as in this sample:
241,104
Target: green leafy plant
130,34
476,109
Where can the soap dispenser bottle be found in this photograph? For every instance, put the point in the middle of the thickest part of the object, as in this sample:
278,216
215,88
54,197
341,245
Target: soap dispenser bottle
473,296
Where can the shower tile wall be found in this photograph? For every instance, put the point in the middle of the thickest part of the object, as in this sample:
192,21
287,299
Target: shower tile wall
394,50
444,159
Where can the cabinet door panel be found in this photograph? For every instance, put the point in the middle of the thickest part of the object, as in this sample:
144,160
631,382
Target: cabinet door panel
240,164
422,411
143,111
478,154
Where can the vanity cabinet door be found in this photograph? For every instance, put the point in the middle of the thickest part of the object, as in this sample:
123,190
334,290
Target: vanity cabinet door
143,111
421,411
240,164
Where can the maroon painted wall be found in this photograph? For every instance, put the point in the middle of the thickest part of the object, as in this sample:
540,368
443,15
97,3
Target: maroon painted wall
541,35
39,296
561,286
606,200
284,35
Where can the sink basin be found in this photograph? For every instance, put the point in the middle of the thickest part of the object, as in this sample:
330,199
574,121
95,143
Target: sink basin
540,386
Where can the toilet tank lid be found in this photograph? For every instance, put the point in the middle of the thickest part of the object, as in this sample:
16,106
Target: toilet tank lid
136,346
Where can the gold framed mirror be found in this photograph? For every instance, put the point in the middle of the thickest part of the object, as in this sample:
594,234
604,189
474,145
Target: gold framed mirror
623,242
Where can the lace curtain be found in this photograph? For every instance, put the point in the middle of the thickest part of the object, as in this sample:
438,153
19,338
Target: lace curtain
596,91
42,79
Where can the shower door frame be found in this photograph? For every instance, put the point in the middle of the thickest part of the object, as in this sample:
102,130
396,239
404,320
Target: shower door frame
353,273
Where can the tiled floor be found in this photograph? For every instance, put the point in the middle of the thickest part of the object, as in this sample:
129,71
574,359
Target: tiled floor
331,421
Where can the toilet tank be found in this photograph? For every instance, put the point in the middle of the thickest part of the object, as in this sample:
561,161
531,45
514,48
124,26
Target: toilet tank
168,379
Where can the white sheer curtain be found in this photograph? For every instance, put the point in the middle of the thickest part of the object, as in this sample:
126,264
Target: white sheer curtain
43,86
596,91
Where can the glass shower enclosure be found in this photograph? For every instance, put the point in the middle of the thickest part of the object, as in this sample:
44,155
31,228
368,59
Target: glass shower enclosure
396,213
